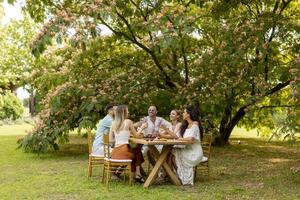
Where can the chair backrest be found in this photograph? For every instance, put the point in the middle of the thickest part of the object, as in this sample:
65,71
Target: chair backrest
106,147
90,140
206,144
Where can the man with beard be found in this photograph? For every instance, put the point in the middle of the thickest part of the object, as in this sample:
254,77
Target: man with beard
153,124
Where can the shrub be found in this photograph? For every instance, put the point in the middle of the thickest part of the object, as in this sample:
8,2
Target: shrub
10,107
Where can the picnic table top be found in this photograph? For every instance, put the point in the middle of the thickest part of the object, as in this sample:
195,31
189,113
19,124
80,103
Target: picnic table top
160,141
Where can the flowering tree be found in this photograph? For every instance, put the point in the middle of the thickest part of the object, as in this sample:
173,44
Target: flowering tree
236,58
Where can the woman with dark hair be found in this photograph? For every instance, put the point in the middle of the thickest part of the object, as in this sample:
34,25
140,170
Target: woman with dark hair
189,156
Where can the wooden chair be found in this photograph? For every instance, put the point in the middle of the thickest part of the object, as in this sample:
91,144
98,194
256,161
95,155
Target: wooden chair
204,165
114,165
94,160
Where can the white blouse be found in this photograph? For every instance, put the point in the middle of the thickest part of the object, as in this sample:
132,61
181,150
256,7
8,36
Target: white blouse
122,137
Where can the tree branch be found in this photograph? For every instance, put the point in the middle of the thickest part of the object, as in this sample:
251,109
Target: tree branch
249,8
284,5
149,51
276,6
188,3
183,53
186,69
279,106
257,7
174,60
266,70
127,25
144,17
278,87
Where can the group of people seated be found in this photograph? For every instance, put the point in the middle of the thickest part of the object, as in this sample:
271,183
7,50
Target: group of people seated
120,129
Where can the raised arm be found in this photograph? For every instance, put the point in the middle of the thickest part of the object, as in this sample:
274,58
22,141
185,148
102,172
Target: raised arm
134,133
167,133
139,123
187,139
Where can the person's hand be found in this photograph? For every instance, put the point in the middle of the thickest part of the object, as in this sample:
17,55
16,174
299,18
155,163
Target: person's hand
144,125
155,134
163,127
163,134
141,135
160,134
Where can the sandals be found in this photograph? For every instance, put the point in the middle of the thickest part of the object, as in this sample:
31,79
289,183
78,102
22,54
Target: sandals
117,174
139,179
119,171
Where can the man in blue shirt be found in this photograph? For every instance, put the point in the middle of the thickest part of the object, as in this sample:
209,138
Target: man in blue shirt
103,128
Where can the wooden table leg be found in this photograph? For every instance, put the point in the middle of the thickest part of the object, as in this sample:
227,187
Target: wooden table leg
161,161
165,165
162,158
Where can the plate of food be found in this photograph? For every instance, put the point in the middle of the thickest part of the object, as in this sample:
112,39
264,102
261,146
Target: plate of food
149,137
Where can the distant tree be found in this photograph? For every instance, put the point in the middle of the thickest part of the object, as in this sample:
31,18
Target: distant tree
15,58
10,107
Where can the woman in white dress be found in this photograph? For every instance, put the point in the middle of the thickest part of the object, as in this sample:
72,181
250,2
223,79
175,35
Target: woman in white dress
189,156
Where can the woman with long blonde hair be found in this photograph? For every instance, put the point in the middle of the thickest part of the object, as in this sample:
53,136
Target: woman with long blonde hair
121,129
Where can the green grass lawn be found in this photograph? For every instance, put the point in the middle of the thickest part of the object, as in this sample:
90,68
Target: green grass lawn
243,133
253,169
17,129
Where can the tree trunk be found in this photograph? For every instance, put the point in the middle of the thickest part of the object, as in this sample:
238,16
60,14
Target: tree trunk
227,125
32,104
13,88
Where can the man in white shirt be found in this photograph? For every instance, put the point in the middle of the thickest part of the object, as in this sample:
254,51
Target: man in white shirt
153,125
153,122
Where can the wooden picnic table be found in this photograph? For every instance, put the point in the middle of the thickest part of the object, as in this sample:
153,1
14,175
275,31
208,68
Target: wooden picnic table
160,158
